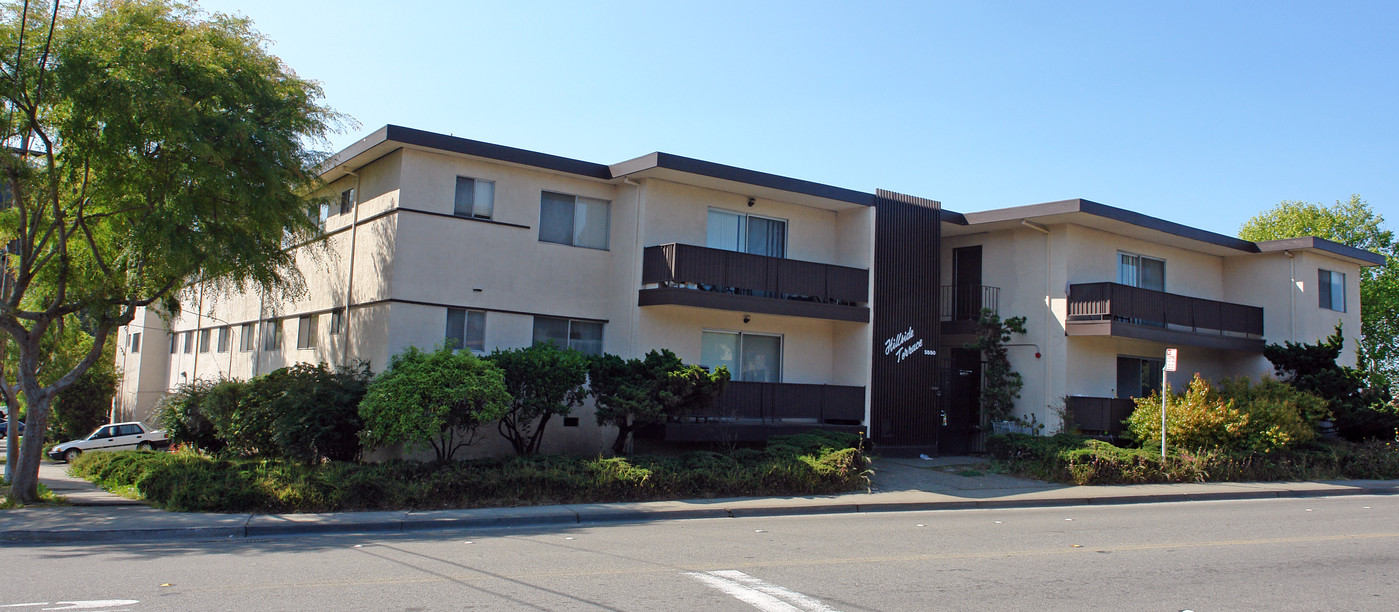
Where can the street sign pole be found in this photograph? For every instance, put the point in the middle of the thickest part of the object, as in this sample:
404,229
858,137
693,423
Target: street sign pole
1169,367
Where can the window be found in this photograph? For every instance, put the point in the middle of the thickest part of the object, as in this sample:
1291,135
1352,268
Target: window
223,339
318,214
573,220
749,357
204,340
1138,376
337,321
347,201
1331,287
733,231
245,333
581,336
475,198
271,335
174,342
306,332
136,342
466,329
189,341
1141,271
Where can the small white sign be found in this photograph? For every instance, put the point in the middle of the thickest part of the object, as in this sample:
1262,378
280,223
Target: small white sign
1170,360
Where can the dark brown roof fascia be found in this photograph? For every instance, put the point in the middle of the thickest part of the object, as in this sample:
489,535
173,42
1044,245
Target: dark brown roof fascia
1116,214
475,148
741,175
1321,244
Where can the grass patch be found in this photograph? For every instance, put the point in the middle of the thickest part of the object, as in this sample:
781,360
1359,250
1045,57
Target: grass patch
1075,459
46,497
806,464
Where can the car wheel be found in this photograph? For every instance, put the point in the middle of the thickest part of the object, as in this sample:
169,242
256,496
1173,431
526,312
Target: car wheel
144,446
71,454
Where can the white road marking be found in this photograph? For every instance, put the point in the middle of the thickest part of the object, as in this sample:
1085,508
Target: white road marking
77,605
762,595
94,604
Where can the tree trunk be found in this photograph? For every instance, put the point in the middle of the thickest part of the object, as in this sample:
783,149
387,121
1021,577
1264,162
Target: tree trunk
624,429
24,488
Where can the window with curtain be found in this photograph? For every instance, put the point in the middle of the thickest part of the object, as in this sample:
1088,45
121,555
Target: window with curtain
573,220
749,357
474,198
1331,290
1140,271
466,329
745,233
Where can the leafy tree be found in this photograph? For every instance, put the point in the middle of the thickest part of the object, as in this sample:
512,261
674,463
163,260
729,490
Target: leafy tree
151,146
1002,383
1353,223
545,381
635,392
1360,411
436,399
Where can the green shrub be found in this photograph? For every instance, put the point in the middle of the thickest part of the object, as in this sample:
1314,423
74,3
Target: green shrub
1239,416
187,481
1084,461
182,415
435,399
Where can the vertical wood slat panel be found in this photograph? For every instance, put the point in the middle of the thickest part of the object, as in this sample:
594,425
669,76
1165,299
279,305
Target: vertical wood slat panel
905,394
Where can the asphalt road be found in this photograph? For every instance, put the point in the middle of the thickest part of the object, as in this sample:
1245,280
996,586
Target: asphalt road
1289,554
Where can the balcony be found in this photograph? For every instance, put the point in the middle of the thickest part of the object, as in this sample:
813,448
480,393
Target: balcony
1099,415
1112,309
753,411
960,306
687,275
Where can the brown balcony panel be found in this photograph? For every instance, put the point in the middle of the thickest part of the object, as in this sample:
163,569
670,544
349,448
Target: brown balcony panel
1112,309
1100,414
754,411
702,277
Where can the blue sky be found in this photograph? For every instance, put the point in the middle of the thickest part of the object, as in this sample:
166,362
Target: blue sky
1204,113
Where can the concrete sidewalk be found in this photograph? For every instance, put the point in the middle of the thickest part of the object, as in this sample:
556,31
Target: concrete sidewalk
898,485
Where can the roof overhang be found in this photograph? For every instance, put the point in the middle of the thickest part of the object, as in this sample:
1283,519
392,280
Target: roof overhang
1359,257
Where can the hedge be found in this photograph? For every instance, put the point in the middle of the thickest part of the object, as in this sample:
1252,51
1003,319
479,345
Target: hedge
804,464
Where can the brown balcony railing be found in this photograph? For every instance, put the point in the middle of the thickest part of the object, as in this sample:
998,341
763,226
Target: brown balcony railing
1117,302
1099,415
781,402
684,265
965,302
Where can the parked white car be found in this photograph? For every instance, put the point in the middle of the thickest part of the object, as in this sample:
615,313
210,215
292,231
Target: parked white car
114,437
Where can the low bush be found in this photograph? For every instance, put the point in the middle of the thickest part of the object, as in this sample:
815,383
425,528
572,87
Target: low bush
1081,460
1239,416
807,464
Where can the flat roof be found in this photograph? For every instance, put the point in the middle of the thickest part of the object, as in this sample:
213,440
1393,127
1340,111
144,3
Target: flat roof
762,184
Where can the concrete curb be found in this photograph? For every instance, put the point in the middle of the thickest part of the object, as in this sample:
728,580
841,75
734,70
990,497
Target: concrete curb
602,514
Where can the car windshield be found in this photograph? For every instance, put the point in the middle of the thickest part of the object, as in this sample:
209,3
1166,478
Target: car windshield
101,432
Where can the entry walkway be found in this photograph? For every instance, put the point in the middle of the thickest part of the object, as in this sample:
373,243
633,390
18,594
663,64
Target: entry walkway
946,483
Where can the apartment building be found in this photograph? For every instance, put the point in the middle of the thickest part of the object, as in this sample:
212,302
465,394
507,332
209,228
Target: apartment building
828,305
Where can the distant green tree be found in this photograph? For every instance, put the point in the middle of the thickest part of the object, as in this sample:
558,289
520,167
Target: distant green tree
634,392
1352,223
437,399
87,405
544,381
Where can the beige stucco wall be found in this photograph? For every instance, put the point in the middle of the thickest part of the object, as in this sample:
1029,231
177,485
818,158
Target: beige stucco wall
1033,271
410,266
